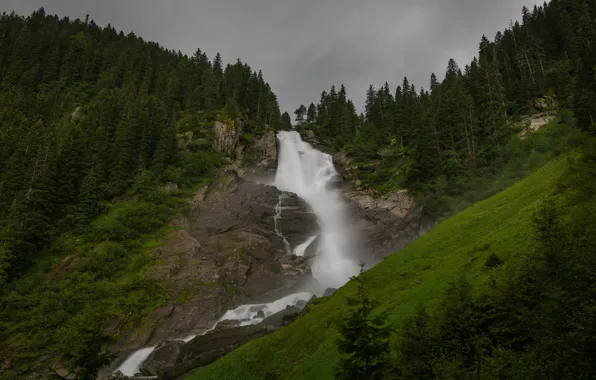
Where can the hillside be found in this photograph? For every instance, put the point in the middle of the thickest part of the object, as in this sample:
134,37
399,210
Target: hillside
104,137
160,215
421,272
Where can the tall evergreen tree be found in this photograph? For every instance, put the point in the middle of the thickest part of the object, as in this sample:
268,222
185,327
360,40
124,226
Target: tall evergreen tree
364,338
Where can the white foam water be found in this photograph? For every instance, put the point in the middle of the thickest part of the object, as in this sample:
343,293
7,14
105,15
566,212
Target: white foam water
131,365
301,249
309,173
245,314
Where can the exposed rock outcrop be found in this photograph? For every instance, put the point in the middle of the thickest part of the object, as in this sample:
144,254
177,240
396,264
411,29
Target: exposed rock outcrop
175,358
534,123
228,250
165,353
226,135
225,252
388,223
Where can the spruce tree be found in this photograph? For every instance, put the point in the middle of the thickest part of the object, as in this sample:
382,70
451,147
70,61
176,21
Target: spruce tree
300,113
364,338
311,114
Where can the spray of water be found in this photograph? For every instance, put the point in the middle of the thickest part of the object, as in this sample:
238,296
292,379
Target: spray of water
308,172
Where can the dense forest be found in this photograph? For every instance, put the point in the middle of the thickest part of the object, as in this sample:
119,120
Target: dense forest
85,109
433,140
91,173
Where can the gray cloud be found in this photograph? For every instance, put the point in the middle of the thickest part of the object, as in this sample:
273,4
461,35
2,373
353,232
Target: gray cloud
303,47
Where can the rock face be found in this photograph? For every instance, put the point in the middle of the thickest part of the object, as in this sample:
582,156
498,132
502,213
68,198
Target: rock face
233,245
260,154
173,359
165,353
226,252
534,123
388,223
226,136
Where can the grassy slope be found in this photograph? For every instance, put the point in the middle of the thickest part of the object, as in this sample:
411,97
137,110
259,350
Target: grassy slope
458,246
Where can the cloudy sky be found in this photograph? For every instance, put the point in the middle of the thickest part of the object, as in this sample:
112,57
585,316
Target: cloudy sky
306,46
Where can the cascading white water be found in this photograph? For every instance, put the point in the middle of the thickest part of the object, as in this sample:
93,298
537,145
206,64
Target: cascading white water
303,170
306,172
277,223
245,314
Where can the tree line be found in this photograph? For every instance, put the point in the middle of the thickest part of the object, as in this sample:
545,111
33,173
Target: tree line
84,109
421,137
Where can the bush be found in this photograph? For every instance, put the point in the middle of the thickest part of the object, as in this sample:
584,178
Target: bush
493,261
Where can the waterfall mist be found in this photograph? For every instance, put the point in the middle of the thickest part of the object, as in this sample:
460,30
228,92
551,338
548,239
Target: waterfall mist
309,173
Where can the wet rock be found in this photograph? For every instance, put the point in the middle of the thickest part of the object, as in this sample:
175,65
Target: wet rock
335,182
228,323
301,304
282,318
313,248
165,354
205,349
329,292
260,314
240,258
386,223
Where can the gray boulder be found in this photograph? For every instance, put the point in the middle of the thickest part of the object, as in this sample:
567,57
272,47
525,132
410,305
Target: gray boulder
165,354
282,318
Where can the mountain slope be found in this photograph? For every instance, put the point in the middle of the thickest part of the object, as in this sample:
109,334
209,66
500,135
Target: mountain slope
420,272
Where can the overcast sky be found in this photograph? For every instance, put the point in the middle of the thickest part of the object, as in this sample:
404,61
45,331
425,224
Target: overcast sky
305,46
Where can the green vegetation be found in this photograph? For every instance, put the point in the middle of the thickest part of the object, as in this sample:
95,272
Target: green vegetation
103,138
364,338
85,282
84,110
452,141
501,225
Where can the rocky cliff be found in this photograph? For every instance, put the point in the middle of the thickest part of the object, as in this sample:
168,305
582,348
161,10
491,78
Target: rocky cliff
233,245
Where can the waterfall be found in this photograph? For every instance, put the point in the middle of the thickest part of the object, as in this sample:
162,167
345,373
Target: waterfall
303,170
308,173
277,223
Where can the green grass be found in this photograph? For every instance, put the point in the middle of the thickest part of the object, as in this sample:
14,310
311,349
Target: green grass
456,247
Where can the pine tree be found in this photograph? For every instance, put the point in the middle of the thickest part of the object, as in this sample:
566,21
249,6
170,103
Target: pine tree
311,114
364,340
166,149
285,123
300,113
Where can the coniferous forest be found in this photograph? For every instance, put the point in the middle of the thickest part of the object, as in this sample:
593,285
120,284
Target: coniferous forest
434,139
90,127
84,109
89,119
